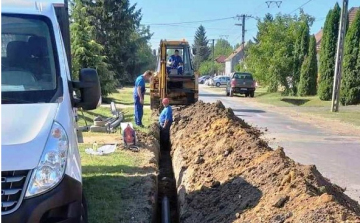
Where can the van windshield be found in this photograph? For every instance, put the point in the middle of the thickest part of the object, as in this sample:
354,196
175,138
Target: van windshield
29,70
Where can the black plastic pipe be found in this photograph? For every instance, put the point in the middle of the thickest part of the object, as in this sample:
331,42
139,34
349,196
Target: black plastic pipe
165,210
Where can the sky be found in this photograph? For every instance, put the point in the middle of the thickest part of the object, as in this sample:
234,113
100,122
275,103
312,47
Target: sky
161,15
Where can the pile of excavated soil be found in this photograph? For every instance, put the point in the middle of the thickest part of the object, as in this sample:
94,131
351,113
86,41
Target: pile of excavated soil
226,173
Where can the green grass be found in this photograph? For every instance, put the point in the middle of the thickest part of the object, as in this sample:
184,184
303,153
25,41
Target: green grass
310,105
351,116
110,184
261,95
124,96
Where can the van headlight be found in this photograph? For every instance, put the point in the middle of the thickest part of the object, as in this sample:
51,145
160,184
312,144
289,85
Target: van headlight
51,167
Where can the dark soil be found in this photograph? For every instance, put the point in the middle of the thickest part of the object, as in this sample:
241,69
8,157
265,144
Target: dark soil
226,173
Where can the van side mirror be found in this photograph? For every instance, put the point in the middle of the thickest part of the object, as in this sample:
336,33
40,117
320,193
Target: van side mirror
90,90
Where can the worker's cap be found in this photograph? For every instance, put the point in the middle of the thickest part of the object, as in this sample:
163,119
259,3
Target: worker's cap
165,101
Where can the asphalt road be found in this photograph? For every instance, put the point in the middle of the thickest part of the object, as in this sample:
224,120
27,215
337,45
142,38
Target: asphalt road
336,157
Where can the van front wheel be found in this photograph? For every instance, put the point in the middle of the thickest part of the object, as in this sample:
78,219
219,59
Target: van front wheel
84,213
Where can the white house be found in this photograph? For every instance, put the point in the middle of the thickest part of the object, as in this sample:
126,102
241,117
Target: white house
234,59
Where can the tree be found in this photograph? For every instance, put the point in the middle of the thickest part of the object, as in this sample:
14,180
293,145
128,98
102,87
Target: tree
139,55
222,47
86,52
307,85
206,67
328,52
118,30
300,52
271,59
350,85
201,45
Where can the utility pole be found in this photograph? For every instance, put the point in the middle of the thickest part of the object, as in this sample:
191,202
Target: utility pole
213,53
339,58
243,30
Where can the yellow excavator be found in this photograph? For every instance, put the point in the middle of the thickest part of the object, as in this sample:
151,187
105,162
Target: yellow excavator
174,79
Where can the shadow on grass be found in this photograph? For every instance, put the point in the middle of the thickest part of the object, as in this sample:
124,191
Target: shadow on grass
212,95
116,169
249,110
96,114
108,100
84,118
119,198
221,203
295,101
116,101
260,94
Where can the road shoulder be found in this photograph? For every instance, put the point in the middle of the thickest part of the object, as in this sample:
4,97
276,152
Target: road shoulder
334,125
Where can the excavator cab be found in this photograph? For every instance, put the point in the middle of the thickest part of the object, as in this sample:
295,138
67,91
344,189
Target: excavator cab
174,78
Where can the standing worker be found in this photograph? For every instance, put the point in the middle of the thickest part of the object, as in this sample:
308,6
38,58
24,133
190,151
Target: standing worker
139,94
165,121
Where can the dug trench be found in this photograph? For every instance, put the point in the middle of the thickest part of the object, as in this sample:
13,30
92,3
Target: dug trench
224,172
167,204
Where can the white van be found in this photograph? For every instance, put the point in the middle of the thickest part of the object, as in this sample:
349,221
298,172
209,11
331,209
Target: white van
40,163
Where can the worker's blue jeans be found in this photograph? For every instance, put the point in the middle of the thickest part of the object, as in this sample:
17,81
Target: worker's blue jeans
138,111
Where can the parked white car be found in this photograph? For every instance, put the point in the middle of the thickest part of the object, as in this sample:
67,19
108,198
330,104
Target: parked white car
209,82
220,80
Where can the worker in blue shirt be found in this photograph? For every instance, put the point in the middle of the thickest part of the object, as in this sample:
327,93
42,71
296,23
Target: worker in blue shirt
139,94
165,121
174,61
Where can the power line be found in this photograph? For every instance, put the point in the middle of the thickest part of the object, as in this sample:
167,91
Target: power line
256,9
300,6
178,23
269,3
185,26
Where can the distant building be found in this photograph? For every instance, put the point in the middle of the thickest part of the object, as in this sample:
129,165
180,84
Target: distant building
234,59
319,35
352,13
220,59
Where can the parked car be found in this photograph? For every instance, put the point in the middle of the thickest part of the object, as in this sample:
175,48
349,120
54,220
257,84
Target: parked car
241,83
221,80
202,79
209,82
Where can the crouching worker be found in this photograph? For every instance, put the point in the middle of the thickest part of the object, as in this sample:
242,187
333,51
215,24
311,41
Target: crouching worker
165,121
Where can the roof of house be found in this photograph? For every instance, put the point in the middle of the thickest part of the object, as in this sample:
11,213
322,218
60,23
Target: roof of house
318,37
352,13
237,51
220,59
